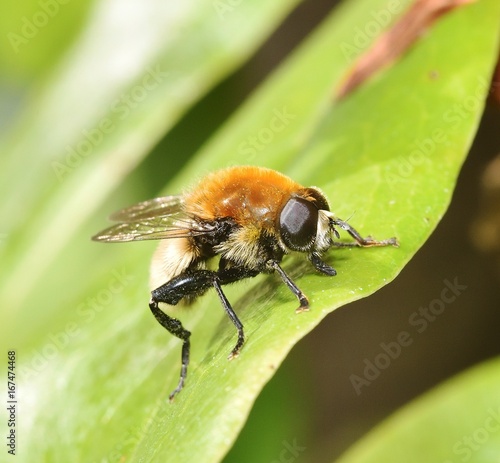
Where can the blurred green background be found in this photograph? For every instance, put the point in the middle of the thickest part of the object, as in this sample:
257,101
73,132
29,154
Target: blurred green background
310,407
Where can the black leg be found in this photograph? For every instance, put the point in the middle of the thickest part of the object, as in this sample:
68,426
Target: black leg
304,303
360,241
186,284
226,276
321,266
194,284
236,321
175,327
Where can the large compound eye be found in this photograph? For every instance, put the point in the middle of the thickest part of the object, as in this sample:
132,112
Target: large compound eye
298,224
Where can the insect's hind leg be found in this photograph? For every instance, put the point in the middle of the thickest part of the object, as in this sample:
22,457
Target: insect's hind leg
193,284
186,284
174,327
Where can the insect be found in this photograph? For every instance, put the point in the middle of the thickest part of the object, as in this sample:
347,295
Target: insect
248,218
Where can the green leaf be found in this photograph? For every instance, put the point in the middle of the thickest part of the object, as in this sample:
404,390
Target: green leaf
97,368
455,422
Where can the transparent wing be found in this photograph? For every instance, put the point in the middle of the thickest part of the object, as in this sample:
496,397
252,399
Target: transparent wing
155,219
163,206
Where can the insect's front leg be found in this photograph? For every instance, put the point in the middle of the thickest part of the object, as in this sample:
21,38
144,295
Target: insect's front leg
360,241
321,266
